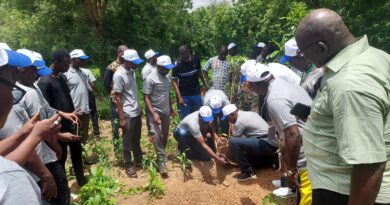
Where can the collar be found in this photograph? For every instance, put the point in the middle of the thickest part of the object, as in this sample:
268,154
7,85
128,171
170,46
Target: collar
347,54
74,70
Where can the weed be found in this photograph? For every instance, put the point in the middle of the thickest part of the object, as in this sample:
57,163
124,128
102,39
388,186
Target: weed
184,163
272,199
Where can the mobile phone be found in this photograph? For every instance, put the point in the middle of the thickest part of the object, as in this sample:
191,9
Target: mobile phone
300,110
76,129
46,113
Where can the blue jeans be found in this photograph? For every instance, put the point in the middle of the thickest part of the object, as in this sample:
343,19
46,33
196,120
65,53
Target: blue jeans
193,104
245,150
115,125
188,144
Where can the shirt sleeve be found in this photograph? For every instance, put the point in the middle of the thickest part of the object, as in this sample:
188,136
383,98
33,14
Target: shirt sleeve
279,111
91,77
359,127
239,129
45,89
175,73
118,84
208,65
32,103
147,86
195,132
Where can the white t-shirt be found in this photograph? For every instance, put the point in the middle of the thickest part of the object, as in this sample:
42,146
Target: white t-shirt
16,185
283,72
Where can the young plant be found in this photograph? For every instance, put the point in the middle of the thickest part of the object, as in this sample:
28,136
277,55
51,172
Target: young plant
184,164
156,187
272,199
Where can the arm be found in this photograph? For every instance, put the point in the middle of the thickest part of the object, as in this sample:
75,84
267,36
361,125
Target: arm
211,153
177,91
293,141
148,103
121,114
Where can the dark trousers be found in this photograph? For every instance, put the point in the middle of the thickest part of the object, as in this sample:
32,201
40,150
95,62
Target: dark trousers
93,113
76,157
131,141
115,126
63,191
246,149
223,124
326,197
188,144
193,104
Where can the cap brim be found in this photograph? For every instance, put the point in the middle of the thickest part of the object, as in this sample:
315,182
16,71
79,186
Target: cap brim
44,71
285,59
84,57
16,59
156,54
169,66
208,119
224,117
39,63
137,61
243,78
217,110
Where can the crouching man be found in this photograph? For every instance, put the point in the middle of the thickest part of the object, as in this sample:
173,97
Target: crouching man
195,136
250,140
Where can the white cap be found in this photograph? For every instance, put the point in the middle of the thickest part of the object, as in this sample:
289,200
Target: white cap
37,61
206,113
150,53
13,58
78,53
231,45
132,56
253,74
165,61
260,45
246,65
5,46
216,104
227,110
291,48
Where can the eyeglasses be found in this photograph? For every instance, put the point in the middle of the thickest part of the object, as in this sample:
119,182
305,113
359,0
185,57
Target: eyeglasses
17,92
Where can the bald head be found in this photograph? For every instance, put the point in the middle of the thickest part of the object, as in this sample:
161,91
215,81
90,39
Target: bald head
324,31
121,49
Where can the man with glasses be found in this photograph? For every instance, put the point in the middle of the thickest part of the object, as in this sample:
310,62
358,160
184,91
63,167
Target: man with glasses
347,135
16,185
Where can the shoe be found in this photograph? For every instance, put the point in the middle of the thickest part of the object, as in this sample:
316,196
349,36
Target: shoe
162,168
284,192
277,183
131,172
244,176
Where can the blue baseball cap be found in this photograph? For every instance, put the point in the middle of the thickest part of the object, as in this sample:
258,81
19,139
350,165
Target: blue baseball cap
290,50
206,114
13,58
37,61
78,53
227,110
284,59
165,61
132,56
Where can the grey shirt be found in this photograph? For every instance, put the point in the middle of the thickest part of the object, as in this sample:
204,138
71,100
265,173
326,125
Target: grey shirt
191,124
280,99
210,93
157,86
78,85
147,69
91,78
124,82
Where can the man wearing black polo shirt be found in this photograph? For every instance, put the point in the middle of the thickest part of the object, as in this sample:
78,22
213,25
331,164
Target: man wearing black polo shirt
57,93
185,78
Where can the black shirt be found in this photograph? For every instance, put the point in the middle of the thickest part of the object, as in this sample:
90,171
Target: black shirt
57,94
188,74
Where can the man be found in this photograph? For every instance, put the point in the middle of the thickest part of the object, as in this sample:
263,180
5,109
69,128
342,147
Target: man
216,100
92,101
129,111
311,75
151,60
185,78
250,141
281,97
266,52
157,100
16,185
56,92
195,136
22,112
220,68
347,135
232,49
107,81
78,85
259,49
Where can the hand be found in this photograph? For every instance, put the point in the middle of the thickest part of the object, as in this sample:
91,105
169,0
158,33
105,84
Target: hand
156,118
47,129
293,181
29,125
181,102
70,116
48,187
172,113
77,112
122,123
68,137
222,161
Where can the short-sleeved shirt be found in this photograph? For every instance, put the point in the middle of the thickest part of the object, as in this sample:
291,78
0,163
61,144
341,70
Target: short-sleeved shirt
213,92
16,185
157,86
91,78
187,72
220,72
147,69
78,85
283,72
124,82
57,94
311,80
250,124
282,96
191,124
349,123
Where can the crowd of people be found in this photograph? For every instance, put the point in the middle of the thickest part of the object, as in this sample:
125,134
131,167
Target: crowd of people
320,114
